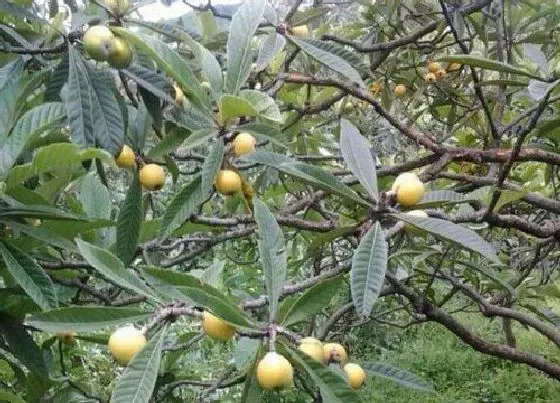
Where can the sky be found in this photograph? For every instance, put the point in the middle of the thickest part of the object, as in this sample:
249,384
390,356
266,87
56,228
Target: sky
157,11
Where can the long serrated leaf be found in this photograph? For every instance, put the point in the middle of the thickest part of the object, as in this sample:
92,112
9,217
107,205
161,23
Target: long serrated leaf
212,164
129,221
398,375
78,102
268,49
85,318
137,383
487,64
243,26
211,69
11,70
56,157
443,196
30,276
112,268
109,126
328,58
43,234
20,343
272,254
335,387
312,301
356,152
170,62
198,292
264,105
369,265
311,174
252,392
452,232
94,197
182,207
31,124
152,81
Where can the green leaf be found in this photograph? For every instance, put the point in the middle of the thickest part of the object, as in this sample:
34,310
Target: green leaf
243,26
11,70
538,89
509,196
170,62
369,265
112,268
212,164
245,351
199,137
312,301
9,397
78,101
94,197
212,274
33,123
150,80
487,64
356,152
59,77
252,392
325,53
13,10
272,254
107,117
234,107
56,157
453,233
268,49
20,343
83,319
137,383
129,221
437,197
334,386
182,207
198,292
304,17
211,70
397,375
263,104
30,276
167,144
43,234
308,173
266,133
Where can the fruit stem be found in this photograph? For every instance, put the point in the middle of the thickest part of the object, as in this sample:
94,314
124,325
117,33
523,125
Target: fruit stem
272,337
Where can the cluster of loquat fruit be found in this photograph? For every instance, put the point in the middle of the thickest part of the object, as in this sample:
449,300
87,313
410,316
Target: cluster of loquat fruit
435,71
274,371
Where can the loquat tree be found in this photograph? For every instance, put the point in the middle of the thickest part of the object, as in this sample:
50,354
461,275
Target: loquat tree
206,208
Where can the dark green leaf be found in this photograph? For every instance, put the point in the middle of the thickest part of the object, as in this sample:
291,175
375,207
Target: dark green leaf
453,233
312,301
369,265
182,207
308,173
334,386
30,276
129,221
326,54
112,268
234,107
154,82
78,101
487,64
272,254
212,164
137,383
85,318
243,26
170,62
356,152
394,374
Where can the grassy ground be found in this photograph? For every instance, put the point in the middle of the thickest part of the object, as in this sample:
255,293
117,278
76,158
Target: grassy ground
458,373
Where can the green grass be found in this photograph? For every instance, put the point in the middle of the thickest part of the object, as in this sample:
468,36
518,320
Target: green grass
457,373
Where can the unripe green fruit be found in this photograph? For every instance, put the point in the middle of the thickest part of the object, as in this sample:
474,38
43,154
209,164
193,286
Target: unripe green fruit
99,42
120,55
